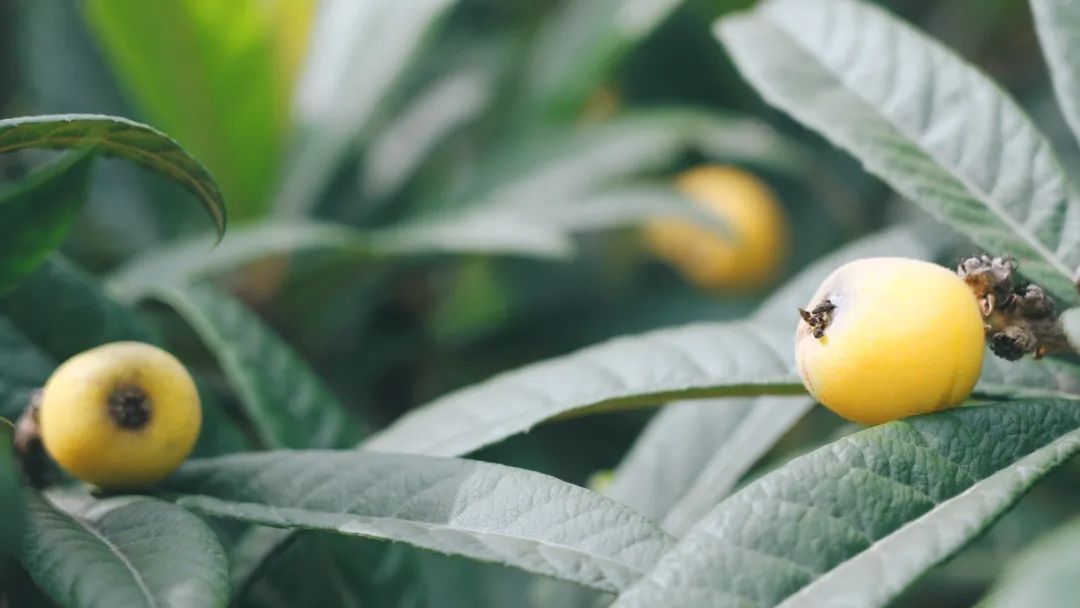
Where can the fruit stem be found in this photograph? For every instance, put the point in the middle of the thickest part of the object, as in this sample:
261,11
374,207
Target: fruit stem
28,446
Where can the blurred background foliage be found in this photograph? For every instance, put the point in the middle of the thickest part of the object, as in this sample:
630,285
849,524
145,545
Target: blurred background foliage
374,115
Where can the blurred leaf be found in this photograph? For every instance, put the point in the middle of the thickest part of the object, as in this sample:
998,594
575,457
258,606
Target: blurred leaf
205,72
36,214
1058,25
479,510
750,439
567,164
695,361
438,110
711,359
249,555
359,50
1070,319
23,368
11,500
499,229
579,49
122,138
1028,378
349,571
935,128
64,311
857,521
287,403
1046,575
131,551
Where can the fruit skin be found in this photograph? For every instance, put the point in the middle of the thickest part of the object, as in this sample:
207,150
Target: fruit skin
89,442
750,256
906,337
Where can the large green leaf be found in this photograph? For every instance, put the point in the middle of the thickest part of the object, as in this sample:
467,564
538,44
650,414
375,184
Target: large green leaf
932,126
1058,25
479,510
498,229
37,213
121,138
359,50
205,73
747,441
64,311
23,368
287,403
689,446
1046,575
707,359
132,551
695,361
855,522
581,46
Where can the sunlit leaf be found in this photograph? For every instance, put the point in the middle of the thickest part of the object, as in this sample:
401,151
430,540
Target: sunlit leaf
858,520
131,551
483,511
932,126
121,138
205,73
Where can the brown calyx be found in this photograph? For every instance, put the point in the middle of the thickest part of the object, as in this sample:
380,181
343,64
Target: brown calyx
819,317
129,407
1019,317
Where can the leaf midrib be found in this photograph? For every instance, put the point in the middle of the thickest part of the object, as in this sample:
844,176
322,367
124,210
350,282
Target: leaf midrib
135,574
232,509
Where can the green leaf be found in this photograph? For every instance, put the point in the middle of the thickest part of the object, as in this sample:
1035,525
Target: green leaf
929,124
747,442
122,138
358,53
703,360
573,163
1058,25
582,45
131,551
695,361
64,311
542,231
287,403
438,111
37,213
11,499
858,520
1046,575
204,72
23,368
484,511
1070,320
1002,379
689,444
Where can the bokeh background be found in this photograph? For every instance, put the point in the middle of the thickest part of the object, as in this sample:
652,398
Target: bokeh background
499,81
